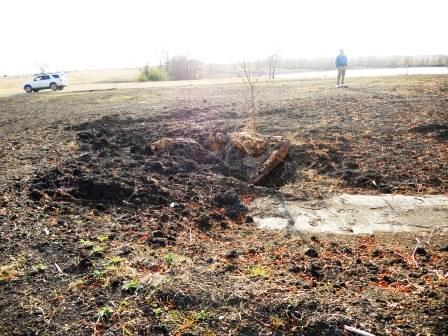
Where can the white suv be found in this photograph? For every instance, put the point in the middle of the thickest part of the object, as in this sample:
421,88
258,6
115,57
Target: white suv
53,81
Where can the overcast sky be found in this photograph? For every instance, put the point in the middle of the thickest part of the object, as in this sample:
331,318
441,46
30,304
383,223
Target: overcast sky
88,34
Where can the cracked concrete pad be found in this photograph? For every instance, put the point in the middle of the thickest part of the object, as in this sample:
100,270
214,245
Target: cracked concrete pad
358,214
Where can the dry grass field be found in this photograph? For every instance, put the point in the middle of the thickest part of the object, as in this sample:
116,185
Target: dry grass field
103,234
103,80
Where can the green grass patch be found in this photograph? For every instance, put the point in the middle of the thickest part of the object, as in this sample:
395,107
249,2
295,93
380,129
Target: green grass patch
131,285
104,313
38,268
259,271
103,238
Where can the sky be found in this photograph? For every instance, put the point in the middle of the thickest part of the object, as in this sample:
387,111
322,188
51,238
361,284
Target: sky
102,34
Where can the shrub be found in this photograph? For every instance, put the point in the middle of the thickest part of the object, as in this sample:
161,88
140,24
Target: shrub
183,68
154,74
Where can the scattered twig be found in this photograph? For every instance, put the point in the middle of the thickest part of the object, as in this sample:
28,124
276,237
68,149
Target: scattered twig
42,311
358,331
189,229
434,230
413,252
58,268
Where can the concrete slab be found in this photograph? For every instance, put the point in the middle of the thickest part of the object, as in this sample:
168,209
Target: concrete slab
352,214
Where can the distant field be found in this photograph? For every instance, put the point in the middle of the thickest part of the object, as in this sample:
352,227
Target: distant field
13,84
102,80
93,80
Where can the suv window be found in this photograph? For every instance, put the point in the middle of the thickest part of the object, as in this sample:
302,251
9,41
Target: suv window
45,77
55,76
36,78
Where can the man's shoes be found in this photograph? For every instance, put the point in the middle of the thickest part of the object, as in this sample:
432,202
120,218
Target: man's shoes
338,86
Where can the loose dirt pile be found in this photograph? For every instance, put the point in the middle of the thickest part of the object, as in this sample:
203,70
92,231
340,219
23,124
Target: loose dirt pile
122,167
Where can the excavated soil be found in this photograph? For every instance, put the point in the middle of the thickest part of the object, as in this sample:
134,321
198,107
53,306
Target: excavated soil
103,234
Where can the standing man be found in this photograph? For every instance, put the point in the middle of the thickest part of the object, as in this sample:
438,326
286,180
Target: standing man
341,65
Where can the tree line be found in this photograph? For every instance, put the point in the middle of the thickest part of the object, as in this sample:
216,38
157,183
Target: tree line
185,68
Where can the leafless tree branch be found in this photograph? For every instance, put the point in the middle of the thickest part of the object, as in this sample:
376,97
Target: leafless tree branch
250,80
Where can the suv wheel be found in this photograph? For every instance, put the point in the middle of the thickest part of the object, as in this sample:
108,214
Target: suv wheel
53,86
28,88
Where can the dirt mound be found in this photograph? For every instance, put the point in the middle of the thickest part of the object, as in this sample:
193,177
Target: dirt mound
127,162
130,162
122,167
112,191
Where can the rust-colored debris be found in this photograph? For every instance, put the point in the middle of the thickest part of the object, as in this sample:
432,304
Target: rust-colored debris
250,143
271,162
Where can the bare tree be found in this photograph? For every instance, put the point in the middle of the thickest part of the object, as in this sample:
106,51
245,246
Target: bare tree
43,68
164,60
272,64
250,79
182,68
